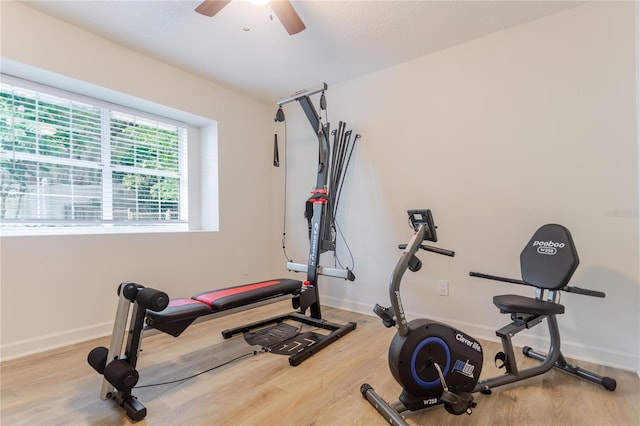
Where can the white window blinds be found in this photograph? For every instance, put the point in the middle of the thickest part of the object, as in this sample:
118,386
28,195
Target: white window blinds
70,162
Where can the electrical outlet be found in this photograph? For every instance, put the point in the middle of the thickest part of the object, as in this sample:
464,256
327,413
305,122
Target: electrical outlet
443,287
245,268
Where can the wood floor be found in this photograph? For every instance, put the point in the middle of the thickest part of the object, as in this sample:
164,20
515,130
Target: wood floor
59,387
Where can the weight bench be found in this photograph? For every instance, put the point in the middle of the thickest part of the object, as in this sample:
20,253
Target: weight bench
153,310
181,313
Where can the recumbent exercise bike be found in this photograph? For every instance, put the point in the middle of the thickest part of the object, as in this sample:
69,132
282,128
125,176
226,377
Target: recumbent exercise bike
437,364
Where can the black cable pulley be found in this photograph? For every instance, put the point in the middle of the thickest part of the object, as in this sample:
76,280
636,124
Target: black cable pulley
323,102
279,115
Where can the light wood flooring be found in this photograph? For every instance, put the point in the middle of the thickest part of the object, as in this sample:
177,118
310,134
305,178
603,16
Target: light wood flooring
59,387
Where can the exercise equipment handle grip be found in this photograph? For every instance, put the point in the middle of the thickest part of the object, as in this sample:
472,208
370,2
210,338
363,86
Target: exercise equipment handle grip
496,278
568,289
432,249
584,291
438,250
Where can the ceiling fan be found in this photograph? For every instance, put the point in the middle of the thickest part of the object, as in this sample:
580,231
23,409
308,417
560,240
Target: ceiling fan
282,8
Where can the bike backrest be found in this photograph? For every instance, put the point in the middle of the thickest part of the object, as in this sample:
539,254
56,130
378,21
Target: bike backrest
550,258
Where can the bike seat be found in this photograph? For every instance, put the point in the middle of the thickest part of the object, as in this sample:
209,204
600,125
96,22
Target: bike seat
515,304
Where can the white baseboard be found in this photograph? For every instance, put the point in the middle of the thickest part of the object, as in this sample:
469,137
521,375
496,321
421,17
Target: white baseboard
53,341
574,350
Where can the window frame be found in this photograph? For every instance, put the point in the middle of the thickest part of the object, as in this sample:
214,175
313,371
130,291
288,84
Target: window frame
107,224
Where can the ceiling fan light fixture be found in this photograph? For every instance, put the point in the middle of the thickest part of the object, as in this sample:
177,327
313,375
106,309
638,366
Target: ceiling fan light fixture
281,8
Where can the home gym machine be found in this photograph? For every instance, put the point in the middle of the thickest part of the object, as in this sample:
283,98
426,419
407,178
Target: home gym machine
142,310
440,365
320,210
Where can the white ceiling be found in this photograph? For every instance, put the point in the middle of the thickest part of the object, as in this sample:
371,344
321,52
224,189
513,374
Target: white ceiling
343,39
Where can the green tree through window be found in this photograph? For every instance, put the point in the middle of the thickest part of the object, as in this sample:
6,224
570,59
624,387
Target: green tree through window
65,162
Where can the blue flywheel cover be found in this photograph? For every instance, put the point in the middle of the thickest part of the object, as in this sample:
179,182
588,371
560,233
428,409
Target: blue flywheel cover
422,344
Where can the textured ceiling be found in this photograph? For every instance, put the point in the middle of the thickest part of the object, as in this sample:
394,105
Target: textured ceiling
343,39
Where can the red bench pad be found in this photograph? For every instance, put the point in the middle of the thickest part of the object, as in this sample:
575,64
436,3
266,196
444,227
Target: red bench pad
185,311
235,297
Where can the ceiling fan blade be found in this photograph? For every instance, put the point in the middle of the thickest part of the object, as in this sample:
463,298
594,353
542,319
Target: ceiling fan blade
287,16
211,7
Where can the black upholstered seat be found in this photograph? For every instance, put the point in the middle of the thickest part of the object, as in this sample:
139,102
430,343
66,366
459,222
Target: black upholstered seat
547,262
513,303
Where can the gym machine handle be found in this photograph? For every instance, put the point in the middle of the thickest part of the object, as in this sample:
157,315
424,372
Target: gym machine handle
567,288
432,249
584,291
496,278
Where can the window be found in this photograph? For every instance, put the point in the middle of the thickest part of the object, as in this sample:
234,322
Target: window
69,161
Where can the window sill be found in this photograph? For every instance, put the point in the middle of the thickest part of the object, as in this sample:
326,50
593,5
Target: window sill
88,230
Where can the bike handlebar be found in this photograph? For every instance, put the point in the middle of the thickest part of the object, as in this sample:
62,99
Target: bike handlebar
432,249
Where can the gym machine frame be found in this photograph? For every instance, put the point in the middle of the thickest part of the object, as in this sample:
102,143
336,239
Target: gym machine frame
135,300
310,296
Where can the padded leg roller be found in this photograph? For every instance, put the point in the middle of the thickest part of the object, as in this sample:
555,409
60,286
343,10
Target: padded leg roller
129,290
97,358
152,299
121,375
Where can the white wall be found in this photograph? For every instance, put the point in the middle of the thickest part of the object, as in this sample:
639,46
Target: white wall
532,125
57,289
526,126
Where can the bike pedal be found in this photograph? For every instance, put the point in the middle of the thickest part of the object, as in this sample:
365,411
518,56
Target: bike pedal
500,356
385,315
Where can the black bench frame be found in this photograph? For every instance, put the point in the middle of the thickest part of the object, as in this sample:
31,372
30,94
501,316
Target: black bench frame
152,310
